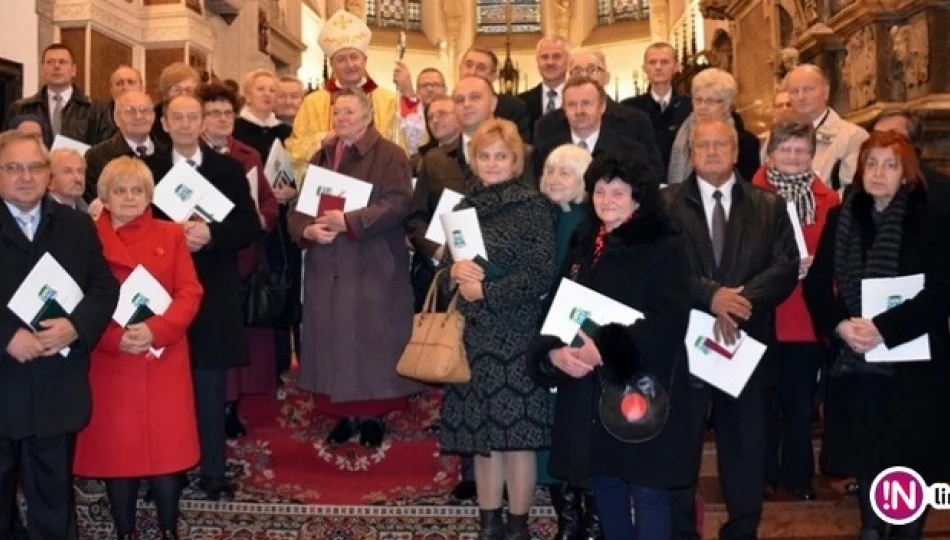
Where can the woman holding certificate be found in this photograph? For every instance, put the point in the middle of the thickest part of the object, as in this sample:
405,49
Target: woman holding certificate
628,251
880,414
358,301
143,422
501,416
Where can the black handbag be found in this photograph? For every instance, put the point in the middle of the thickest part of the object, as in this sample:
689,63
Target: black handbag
266,294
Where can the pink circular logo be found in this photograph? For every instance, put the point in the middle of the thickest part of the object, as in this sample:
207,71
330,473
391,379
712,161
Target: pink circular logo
898,495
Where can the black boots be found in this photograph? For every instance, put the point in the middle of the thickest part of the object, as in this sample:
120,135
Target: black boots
517,527
492,525
170,535
567,504
592,529
232,423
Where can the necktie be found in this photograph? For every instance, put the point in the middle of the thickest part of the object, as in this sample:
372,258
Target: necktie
663,105
141,151
718,226
192,162
26,225
582,144
552,101
57,116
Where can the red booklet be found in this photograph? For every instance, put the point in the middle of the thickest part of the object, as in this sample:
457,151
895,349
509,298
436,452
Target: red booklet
328,203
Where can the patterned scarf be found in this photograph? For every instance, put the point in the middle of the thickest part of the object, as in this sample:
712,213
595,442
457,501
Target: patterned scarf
599,242
796,188
851,266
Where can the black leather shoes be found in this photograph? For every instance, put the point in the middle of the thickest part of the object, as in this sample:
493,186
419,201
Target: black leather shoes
233,427
345,429
216,489
372,431
464,491
566,501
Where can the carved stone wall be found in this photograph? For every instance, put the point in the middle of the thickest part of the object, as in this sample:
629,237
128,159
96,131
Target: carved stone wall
753,52
859,67
110,54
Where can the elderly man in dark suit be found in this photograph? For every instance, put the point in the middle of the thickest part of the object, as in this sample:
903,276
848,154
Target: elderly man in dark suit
44,396
483,62
216,335
552,55
626,121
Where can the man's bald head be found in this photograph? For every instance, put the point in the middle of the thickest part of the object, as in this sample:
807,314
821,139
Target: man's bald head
134,114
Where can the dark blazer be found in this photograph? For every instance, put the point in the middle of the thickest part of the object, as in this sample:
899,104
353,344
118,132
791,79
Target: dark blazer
643,266
83,120
606,140
534,100
215,335
158,132
625,121
512,108
101,154
666,123
50,395
760,255
874,422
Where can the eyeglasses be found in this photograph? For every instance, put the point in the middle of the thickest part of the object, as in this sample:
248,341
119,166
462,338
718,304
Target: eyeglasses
590,71
138,111
35,168
431,86
217,113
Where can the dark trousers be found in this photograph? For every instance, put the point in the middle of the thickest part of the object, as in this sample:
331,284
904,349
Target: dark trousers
283,337
210,393
468,468
740,449
45,468
790,457
613,508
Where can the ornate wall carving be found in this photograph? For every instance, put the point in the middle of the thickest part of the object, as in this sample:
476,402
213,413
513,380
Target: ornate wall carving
562,16
910,66
859,67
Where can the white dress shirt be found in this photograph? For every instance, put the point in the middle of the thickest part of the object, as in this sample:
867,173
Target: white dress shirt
466,139
176,157
66,94
706,191
590,140
32,217
148,144
661,100
545,96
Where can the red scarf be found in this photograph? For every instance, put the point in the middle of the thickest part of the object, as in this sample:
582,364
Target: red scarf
599,242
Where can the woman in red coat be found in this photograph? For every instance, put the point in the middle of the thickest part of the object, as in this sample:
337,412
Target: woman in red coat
143,414
789,173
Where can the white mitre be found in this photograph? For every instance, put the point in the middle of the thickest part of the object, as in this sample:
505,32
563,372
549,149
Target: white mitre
344,31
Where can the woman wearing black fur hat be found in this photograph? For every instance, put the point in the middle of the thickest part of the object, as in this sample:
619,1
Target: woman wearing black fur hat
629,251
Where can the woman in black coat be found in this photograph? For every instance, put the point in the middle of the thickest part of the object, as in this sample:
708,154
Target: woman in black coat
629,251
879,415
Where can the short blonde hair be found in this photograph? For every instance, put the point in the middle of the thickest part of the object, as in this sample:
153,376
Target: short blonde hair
492,131
121,168
174,74
14,135
719,82
253,75
60,153
574,158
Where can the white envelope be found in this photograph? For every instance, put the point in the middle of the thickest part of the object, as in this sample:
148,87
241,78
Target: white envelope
141,288
47,281
727,374
279,167
881,294
183,192
573,303
463,234
65,142
319,180
414,181
254,185
797,229
447,203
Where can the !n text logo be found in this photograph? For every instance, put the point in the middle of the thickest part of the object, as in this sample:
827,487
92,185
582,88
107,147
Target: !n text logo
899,495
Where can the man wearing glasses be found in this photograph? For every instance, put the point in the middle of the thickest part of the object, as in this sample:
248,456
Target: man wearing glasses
625,121
44,395
134,115
67,110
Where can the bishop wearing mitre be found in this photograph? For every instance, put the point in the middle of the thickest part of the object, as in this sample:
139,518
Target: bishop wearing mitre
344,39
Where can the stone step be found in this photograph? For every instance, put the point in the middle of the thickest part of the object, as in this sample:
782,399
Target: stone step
709,469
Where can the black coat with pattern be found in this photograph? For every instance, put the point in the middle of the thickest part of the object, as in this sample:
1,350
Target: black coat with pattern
502,407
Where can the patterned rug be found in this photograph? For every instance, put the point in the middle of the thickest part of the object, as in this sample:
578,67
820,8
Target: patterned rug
292,486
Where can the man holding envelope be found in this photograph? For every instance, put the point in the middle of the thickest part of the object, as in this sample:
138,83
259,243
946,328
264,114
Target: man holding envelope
44,394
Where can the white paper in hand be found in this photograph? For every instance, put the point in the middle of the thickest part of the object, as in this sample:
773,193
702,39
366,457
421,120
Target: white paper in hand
141,291
48,289
881,294
447,203
319,181
797,229
709,359
253,183
573,303
183,192
279,169
463,234
65,142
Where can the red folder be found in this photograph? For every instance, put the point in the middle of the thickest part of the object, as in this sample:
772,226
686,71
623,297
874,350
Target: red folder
712,344
328,203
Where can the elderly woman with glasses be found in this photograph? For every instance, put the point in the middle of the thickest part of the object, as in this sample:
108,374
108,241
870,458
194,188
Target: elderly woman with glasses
143,423
713,93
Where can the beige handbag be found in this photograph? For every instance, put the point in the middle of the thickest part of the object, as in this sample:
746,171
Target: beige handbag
435,353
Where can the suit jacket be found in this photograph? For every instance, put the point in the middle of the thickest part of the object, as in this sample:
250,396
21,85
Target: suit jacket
625,121
50,395
606,140
534,100
836,152
512,108
665,123
101,154
214,337
760,255
83,120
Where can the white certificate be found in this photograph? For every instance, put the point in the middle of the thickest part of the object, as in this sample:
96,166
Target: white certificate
253,183
447,203
47,291
279,168
319,181
797,229
141,291
183,192
65,142
881,294
463,234
573,303
726,368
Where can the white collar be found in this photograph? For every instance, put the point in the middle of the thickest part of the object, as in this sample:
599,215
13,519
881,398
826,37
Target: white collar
590,141
66,94
61,201
822,118
33,213
559,89
269,122
197,158
661,99
148,144
706,189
